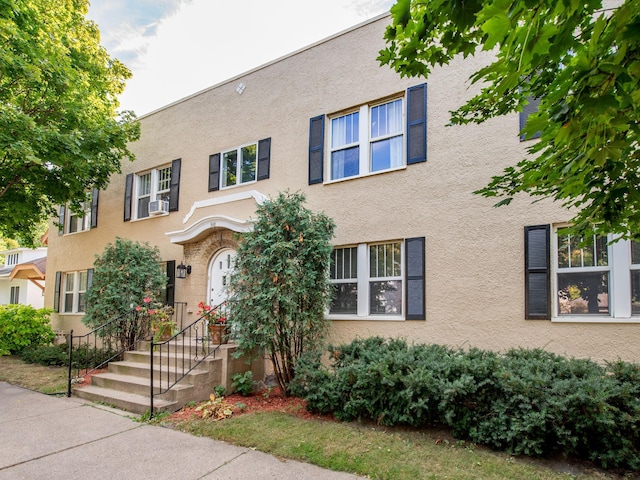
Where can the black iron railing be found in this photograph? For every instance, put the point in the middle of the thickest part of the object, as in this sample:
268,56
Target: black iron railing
184,351
109,342
104,344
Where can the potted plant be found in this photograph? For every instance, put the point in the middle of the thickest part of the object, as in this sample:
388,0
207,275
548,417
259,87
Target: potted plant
216,321
160,316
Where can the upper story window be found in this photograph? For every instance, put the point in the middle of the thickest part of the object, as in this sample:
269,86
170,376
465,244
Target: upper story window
368,140
154,192
239,165
376,137
82,221
79,222
153,186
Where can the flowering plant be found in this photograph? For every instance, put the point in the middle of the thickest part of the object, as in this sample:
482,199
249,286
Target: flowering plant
160,316
215,316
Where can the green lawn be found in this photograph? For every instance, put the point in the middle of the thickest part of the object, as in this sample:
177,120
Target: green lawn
377,452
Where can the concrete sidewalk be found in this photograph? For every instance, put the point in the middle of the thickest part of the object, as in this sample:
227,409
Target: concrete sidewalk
44,437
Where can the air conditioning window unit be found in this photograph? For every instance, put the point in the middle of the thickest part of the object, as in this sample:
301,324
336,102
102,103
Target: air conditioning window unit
158,207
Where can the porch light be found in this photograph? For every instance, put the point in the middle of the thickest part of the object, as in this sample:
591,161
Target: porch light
183,270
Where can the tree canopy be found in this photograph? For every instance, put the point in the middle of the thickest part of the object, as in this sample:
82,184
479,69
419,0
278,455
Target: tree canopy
60,131
582,62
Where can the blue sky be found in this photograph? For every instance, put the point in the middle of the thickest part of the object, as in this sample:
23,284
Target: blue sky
177,47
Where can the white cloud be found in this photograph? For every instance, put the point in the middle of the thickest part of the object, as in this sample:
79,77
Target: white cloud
178,47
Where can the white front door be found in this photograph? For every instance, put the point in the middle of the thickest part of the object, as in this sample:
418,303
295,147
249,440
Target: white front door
219,271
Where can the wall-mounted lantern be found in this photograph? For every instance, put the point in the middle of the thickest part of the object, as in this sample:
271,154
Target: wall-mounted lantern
183,270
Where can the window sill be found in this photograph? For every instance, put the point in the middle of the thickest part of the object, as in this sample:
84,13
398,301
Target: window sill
595,319
349,318
370,174
238,185
150,217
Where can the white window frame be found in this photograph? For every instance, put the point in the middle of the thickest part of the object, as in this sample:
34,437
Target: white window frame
83,220
366,139
364,279
73,291
14,295
159,188
619,269
223,166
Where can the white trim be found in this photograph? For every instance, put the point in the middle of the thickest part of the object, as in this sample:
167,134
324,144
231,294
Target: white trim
209,223
234,197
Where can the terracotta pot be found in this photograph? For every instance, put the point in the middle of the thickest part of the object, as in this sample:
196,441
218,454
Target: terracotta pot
218,334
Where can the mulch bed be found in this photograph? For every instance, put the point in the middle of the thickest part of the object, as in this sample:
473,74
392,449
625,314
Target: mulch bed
268,400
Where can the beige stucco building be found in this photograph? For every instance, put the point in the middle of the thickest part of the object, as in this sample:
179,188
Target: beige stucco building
418,255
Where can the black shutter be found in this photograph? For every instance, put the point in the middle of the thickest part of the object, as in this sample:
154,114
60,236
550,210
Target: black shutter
56,293
128,194
171,283
214,172
94,208
316,150
414,277
529,109
537,272
174,186
264,156
61,217
417,124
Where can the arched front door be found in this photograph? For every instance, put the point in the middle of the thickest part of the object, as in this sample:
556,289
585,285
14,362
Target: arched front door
219,270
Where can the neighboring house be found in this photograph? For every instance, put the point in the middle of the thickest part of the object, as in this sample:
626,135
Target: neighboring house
22,276
417,254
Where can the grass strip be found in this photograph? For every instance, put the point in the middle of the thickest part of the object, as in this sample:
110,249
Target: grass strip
32,376
371,451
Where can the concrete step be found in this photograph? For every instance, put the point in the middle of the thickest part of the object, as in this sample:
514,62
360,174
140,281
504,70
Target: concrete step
138,385
176,359
141,369
130,402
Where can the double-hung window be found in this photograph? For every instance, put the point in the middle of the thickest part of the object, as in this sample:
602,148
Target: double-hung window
74,290
635,278
152,186
154,192
239,165
385,279
583,275
374,280
370,139
79,222
569,278
375,137
14,296
344,276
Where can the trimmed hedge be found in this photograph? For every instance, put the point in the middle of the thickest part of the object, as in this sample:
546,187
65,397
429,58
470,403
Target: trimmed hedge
58,355
528,402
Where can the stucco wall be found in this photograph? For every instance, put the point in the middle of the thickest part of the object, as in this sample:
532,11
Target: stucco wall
474,253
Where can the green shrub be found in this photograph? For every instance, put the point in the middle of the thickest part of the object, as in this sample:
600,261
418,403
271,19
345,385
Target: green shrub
83,357
243,383
48,355
22,326
524,401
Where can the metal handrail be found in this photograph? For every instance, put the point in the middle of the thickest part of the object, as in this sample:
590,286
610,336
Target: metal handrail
97,338
198,331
